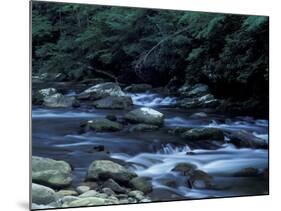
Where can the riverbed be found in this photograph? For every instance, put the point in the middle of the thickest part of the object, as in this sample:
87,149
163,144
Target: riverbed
56,134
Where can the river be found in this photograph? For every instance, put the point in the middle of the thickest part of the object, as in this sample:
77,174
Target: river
55,134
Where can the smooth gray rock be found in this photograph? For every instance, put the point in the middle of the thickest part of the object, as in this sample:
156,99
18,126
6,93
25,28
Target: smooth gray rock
51,172
101,90
145,115
59,101
106,169
42,195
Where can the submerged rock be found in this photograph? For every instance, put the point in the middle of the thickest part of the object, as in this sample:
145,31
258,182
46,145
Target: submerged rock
51,172
247,172
101,90
138,88
184,168
102,125
169,182
203,134
142,184
200,180
143,128
243,138
145,115
43,195
60,101
114,102
106,169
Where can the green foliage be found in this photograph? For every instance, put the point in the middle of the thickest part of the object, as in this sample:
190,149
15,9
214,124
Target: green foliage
140,45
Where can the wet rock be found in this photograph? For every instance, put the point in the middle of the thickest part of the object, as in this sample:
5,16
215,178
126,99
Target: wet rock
102,125
106,169
243,138
114,186
51,172
184,168
142,184
177,130
200,180
101,90
247,172
203,134
82,189
114,102
193,91
145,115
169,182
206,101
59,101
143,128
199,115
138,88
98,148
108,191
43,195
38,97
111,117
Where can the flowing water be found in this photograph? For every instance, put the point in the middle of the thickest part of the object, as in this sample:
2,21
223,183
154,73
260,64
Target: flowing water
154,154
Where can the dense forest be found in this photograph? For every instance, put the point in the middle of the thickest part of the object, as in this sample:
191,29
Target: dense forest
227,52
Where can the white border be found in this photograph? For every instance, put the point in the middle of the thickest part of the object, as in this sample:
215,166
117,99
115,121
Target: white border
15,102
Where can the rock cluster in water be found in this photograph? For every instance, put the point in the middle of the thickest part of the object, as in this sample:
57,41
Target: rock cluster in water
106,182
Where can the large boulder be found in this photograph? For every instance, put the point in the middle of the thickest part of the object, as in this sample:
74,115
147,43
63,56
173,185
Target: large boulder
245,139
106,169
114,102
145,115
203,134
138,88
59,101
102,125
142,184
101,90
51,172
43,195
